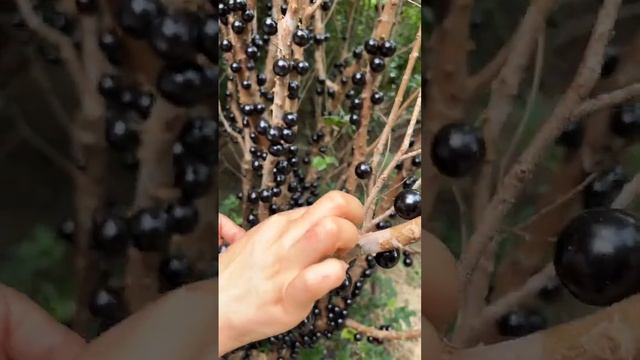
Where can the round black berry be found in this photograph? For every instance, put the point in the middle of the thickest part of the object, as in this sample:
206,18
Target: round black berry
110,234
363,170
407,204
301,37
377,64
184,84
388,259
625,121
457,150
597,256
174,36
270,26
150,229
281,67
136,16
175,271
183,217
604,188
387,48
371,47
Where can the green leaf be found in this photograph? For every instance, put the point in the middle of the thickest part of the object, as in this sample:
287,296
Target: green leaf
335,120
231,207
347,333
322,162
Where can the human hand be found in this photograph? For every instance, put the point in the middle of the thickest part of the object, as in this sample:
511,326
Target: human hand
27,332
228,231
270,279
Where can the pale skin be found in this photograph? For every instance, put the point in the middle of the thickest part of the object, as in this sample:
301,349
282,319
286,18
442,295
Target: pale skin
269,279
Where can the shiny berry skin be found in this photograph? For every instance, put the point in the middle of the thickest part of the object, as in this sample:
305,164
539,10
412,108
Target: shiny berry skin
111,45
407,261
388,259
597,256
270,26
184,84
226,45
183,217
377,64
325,5
371,46
238,26
625,121
119,134
288,135
107,303
571,136
604,188
359,79
384,224
281,67
357,52
521,323
261,79
407,204
193,178
248,16
416,161
301,37
235,67
174,37
377,97
302,67
199,137
136,16
358,337
356,104
175,271
387,48
290,119
457,150
274,134
110,234
109,86
252,52
207,42
354,119
143,104
276,149
150,229
363,170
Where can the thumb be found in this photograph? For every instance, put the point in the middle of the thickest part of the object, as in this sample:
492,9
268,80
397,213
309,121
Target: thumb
314,282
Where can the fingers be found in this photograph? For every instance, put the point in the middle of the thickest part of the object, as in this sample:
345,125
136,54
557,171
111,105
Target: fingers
314,282
335,203
228,231
323,239
27,332
439,283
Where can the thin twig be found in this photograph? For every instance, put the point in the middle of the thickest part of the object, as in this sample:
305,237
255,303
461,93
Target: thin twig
628,193
531,100
561,200
383,334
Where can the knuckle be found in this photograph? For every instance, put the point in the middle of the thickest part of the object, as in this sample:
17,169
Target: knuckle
337,199
329,227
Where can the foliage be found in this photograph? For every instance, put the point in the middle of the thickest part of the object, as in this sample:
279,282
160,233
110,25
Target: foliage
39,266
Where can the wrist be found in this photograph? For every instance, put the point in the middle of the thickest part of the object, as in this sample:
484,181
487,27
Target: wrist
231,332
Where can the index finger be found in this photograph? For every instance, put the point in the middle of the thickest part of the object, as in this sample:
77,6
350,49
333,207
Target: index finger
335,203
228,230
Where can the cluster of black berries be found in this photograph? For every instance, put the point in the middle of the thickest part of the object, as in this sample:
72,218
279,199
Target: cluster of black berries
177,37
321,322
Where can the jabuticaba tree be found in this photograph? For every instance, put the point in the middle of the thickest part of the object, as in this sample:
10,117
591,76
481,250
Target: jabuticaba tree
532,155
317,96
145,74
